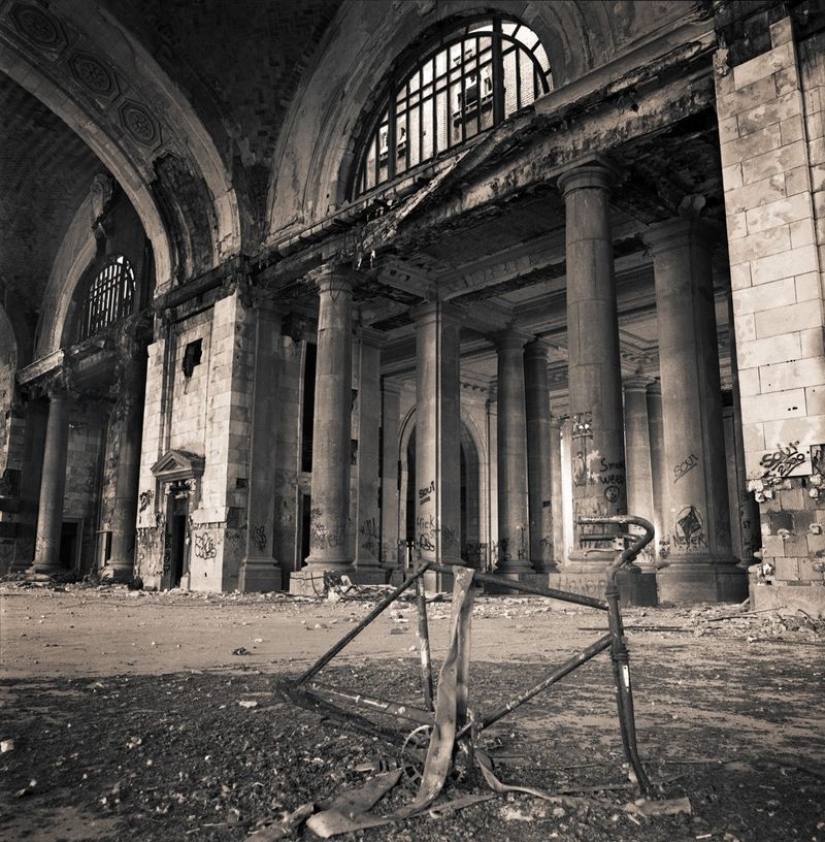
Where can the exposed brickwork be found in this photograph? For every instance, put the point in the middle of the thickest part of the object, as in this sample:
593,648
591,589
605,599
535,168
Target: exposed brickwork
771,132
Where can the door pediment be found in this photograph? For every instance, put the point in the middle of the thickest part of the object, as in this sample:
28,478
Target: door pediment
178,465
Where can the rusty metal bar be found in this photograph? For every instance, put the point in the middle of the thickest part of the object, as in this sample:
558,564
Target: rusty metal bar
424,646
353,633
536,590
328,694
564,669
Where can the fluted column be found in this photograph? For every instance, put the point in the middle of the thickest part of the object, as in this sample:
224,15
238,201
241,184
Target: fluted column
513,517
438,434
539,468
260,570
331,456
594,369
52,486
701,566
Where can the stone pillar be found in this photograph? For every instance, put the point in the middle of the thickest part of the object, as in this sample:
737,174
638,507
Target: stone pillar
657,461
513,518
52,486
438,433
539,468
637,447
701,567
556,496
744,508
331,457
368,514
390,534
259,570
37,412
124,443
594,370
640,481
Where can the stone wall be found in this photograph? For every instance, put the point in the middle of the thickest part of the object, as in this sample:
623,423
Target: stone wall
770,124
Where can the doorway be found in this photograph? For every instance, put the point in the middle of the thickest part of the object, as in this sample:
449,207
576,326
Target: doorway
71,534
176,545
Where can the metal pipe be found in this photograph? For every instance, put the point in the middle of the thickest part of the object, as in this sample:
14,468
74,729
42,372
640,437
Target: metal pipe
328,693
424,645
384,604
536,590
564,669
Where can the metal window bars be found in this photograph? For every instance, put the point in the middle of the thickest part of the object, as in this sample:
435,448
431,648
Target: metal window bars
446,713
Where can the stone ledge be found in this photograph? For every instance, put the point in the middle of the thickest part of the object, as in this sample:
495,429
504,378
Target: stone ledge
807,596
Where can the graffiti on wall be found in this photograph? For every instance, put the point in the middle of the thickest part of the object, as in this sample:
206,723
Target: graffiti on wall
205,546
689,530
785,461
370,537
258,535
685,467
326,534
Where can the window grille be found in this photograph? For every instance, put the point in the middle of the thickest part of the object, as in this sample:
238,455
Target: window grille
468,81
112,297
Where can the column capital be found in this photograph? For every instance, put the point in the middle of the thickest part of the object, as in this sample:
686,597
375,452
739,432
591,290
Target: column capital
637,383
430,310
512,339
332,277
677,233
591,176
537,349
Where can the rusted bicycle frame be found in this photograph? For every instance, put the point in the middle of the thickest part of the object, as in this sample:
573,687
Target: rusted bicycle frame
468,729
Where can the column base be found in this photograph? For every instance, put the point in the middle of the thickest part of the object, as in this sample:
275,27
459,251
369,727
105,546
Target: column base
118,573
259,575
371,575
309,581
686,582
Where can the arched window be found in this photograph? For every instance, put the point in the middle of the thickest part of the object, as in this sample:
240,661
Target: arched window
470,79
111,297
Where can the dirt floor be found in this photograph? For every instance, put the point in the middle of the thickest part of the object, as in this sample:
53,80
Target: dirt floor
163,716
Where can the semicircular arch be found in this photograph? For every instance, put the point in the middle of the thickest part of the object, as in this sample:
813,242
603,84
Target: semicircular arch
316,152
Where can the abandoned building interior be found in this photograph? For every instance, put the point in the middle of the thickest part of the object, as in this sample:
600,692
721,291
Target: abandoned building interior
306,287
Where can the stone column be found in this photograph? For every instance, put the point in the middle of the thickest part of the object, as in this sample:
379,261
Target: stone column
556,496
438,433
52,486
657,461
123,448
513,518
260,571
539,469
390,480
640,482
637,446
331,457
701,567
594,369
368,541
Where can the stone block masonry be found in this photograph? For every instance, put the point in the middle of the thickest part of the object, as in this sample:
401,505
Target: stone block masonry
771,133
